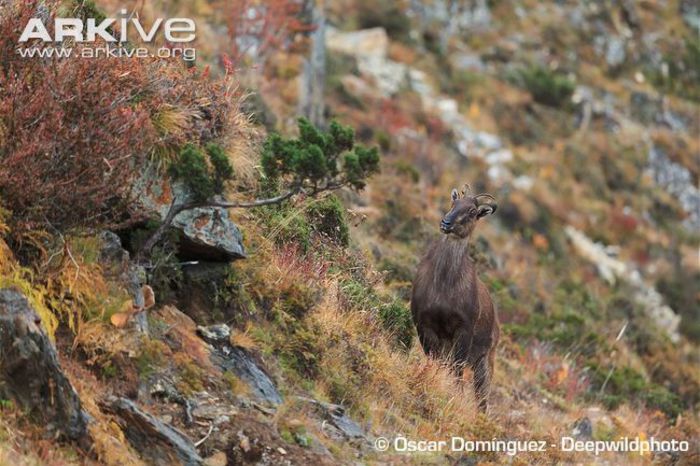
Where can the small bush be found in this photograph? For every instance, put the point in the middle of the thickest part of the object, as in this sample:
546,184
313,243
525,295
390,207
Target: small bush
327,217
683,76
386,14
203,177
396,318
625,383
318,159
547,87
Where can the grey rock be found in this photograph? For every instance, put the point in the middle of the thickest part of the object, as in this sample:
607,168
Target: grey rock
677,181
582,429
615,54
113,258
240,362
159,443
690,11
207,233
335,415
30,373
652,110
218,333
467,61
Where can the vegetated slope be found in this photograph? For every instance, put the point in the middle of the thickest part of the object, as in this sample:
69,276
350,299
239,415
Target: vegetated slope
558,110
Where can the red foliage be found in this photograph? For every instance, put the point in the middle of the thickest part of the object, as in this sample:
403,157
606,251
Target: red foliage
76,133
256,26
73,132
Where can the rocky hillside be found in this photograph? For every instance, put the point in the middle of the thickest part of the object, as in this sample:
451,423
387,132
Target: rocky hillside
242,331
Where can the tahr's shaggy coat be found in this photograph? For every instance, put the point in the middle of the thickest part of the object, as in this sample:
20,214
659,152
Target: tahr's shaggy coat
451,307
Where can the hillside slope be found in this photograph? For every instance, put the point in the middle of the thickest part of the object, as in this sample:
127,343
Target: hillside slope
289,340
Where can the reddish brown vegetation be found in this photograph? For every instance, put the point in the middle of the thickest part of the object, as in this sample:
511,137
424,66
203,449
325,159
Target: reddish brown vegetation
76,133
262,26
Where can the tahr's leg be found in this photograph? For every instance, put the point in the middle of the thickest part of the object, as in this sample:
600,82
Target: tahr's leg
430,342
483,372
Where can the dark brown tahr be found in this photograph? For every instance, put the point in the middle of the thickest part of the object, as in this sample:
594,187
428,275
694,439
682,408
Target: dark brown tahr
451,307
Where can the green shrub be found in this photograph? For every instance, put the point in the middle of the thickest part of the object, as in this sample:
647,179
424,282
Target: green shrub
624,384
319,159
546,87
328,218
683,76
203,178
658,397
385,14
408,170
287,225
396,318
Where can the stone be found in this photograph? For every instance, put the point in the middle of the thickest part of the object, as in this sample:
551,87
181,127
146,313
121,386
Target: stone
240,362
30,373
677,181
206,233
215,333
157,442
335,415
365,43
582,429
217,459
613,269
690,11
615,54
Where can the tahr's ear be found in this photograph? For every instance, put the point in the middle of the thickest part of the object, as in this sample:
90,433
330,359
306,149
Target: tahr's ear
455,195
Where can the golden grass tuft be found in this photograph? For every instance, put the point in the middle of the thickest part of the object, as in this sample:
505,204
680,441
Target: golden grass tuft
398,391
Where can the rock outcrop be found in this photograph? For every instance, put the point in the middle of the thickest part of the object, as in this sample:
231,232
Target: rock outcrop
240,362
157,442
30,373
206,233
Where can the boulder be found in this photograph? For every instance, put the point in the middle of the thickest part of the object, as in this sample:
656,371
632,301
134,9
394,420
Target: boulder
343,427
365,43
30,373
206,233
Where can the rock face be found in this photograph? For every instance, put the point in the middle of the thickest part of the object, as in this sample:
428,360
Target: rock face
30,373
238,361
677,181
156,441
207,233
335,415
613,269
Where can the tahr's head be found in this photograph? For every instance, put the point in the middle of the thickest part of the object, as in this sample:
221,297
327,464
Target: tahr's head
466,210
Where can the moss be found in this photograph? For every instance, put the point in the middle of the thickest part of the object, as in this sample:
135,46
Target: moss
191,376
